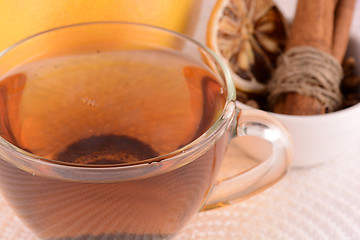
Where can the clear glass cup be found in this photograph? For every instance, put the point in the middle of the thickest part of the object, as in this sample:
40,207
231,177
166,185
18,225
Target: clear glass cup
152,198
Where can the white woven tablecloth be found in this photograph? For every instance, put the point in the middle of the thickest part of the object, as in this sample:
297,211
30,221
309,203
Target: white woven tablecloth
321,202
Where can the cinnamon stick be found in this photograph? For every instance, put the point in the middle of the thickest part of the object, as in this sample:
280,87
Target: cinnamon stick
315,25
343,19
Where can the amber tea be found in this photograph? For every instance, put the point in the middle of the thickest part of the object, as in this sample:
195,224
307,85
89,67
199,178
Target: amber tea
106,108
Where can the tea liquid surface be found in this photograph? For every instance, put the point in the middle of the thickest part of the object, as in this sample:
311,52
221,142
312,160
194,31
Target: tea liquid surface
108,107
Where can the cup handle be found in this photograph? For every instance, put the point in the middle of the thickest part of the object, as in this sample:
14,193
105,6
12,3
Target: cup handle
251,122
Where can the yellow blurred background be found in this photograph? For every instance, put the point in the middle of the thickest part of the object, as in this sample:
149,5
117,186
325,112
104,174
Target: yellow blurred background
20,19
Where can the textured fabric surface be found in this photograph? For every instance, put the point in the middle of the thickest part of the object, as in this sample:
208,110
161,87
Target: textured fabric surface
321,202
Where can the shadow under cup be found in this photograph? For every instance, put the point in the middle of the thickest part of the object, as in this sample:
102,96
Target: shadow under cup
110,130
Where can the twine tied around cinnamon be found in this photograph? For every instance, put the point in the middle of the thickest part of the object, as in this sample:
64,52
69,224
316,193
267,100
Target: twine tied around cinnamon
308,71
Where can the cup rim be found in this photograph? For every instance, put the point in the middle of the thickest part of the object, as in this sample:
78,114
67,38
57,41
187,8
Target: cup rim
187,149
339,114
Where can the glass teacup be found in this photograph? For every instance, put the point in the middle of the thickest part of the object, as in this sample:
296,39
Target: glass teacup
114,130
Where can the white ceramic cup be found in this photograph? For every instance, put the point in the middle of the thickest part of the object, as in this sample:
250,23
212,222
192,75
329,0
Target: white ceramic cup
321,138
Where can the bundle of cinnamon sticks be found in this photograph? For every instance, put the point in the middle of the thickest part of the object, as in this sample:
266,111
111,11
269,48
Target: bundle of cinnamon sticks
324,25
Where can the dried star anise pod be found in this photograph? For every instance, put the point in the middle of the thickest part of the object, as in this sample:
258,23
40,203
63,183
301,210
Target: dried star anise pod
249,35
